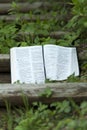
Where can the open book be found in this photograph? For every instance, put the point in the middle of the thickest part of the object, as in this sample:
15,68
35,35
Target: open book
35,64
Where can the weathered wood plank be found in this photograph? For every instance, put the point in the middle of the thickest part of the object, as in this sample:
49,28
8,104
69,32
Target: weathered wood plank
5,8
4,63
10,1
55,34
5,78
60,91
25,7
34,18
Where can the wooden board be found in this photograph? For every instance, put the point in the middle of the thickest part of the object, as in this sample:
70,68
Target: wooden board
5,8
7,1
34,18
5,77
60,91
4,63
56,34
25,7
5,58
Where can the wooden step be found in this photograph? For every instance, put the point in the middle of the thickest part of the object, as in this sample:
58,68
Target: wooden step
5,73
5,77
15,93
25,7
56,34
5,8
34,18
5,62
10,1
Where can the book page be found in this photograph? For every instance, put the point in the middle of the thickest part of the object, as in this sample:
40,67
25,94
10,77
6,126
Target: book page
37,64
50,58
57,62
74,63
28,62
23,65
14,69
64,62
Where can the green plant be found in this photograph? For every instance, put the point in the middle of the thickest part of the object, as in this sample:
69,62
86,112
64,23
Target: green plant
79,11
68,39
62,107
66,114
25,101
14,8
7,35
78,23
73,78
46,93
60,115
83,108
9,116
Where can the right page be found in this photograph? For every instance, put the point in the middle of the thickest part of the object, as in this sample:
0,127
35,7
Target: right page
74,63
67,62
60,62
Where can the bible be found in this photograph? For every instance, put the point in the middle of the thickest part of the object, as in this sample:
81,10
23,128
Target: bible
35,64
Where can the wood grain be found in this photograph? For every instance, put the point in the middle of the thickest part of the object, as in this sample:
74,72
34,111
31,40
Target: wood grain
10,1
60,91
4,63
5,77
34,18
5,8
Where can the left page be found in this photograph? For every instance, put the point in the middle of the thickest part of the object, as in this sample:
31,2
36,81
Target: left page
21,67
27,65
74,63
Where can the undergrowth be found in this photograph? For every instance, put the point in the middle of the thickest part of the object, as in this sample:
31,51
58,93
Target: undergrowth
64,115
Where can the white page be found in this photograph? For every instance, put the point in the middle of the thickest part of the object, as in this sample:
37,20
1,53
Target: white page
14,69
50,58
58,62
37,64
64,62
74,63
23,69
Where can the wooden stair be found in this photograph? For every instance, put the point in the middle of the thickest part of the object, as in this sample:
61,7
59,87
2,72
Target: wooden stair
13,93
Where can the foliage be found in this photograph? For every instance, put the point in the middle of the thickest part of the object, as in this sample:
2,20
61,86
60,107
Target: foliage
78,23
7,34
79,11
61,115
46,93
73,78
9,116
38,31
66,114
68,39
